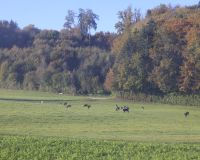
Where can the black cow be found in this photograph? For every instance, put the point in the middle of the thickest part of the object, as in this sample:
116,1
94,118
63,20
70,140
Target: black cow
126,109
87,105
186,114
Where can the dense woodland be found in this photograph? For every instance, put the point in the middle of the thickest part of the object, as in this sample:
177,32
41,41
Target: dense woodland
155,54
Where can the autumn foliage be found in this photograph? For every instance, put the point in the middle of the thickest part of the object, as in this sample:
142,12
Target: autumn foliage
162,56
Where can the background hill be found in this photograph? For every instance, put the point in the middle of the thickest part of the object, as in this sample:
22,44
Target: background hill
158,54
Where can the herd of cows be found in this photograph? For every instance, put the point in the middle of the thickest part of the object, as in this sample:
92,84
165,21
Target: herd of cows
117,108
69,105
123,108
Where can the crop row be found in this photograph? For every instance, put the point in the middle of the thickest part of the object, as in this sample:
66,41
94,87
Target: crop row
40,148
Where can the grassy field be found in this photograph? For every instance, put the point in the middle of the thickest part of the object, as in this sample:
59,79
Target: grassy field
34,95
23,115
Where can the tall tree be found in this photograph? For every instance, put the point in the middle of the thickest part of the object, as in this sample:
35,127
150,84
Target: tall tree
127,18
166,58
70,20
109,80
87,21
190,70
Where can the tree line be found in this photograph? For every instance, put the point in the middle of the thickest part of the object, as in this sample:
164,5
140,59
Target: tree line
158,54
71,60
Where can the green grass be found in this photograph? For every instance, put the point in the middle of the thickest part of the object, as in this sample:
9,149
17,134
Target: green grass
159,126
155,123
34,95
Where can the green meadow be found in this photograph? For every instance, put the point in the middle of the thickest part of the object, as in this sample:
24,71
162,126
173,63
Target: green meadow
29,118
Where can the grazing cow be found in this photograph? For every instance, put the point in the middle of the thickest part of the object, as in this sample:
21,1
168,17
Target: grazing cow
186,114
68,106
117,107
126,109
87,105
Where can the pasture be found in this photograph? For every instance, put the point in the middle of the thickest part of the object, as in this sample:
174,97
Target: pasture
23,116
